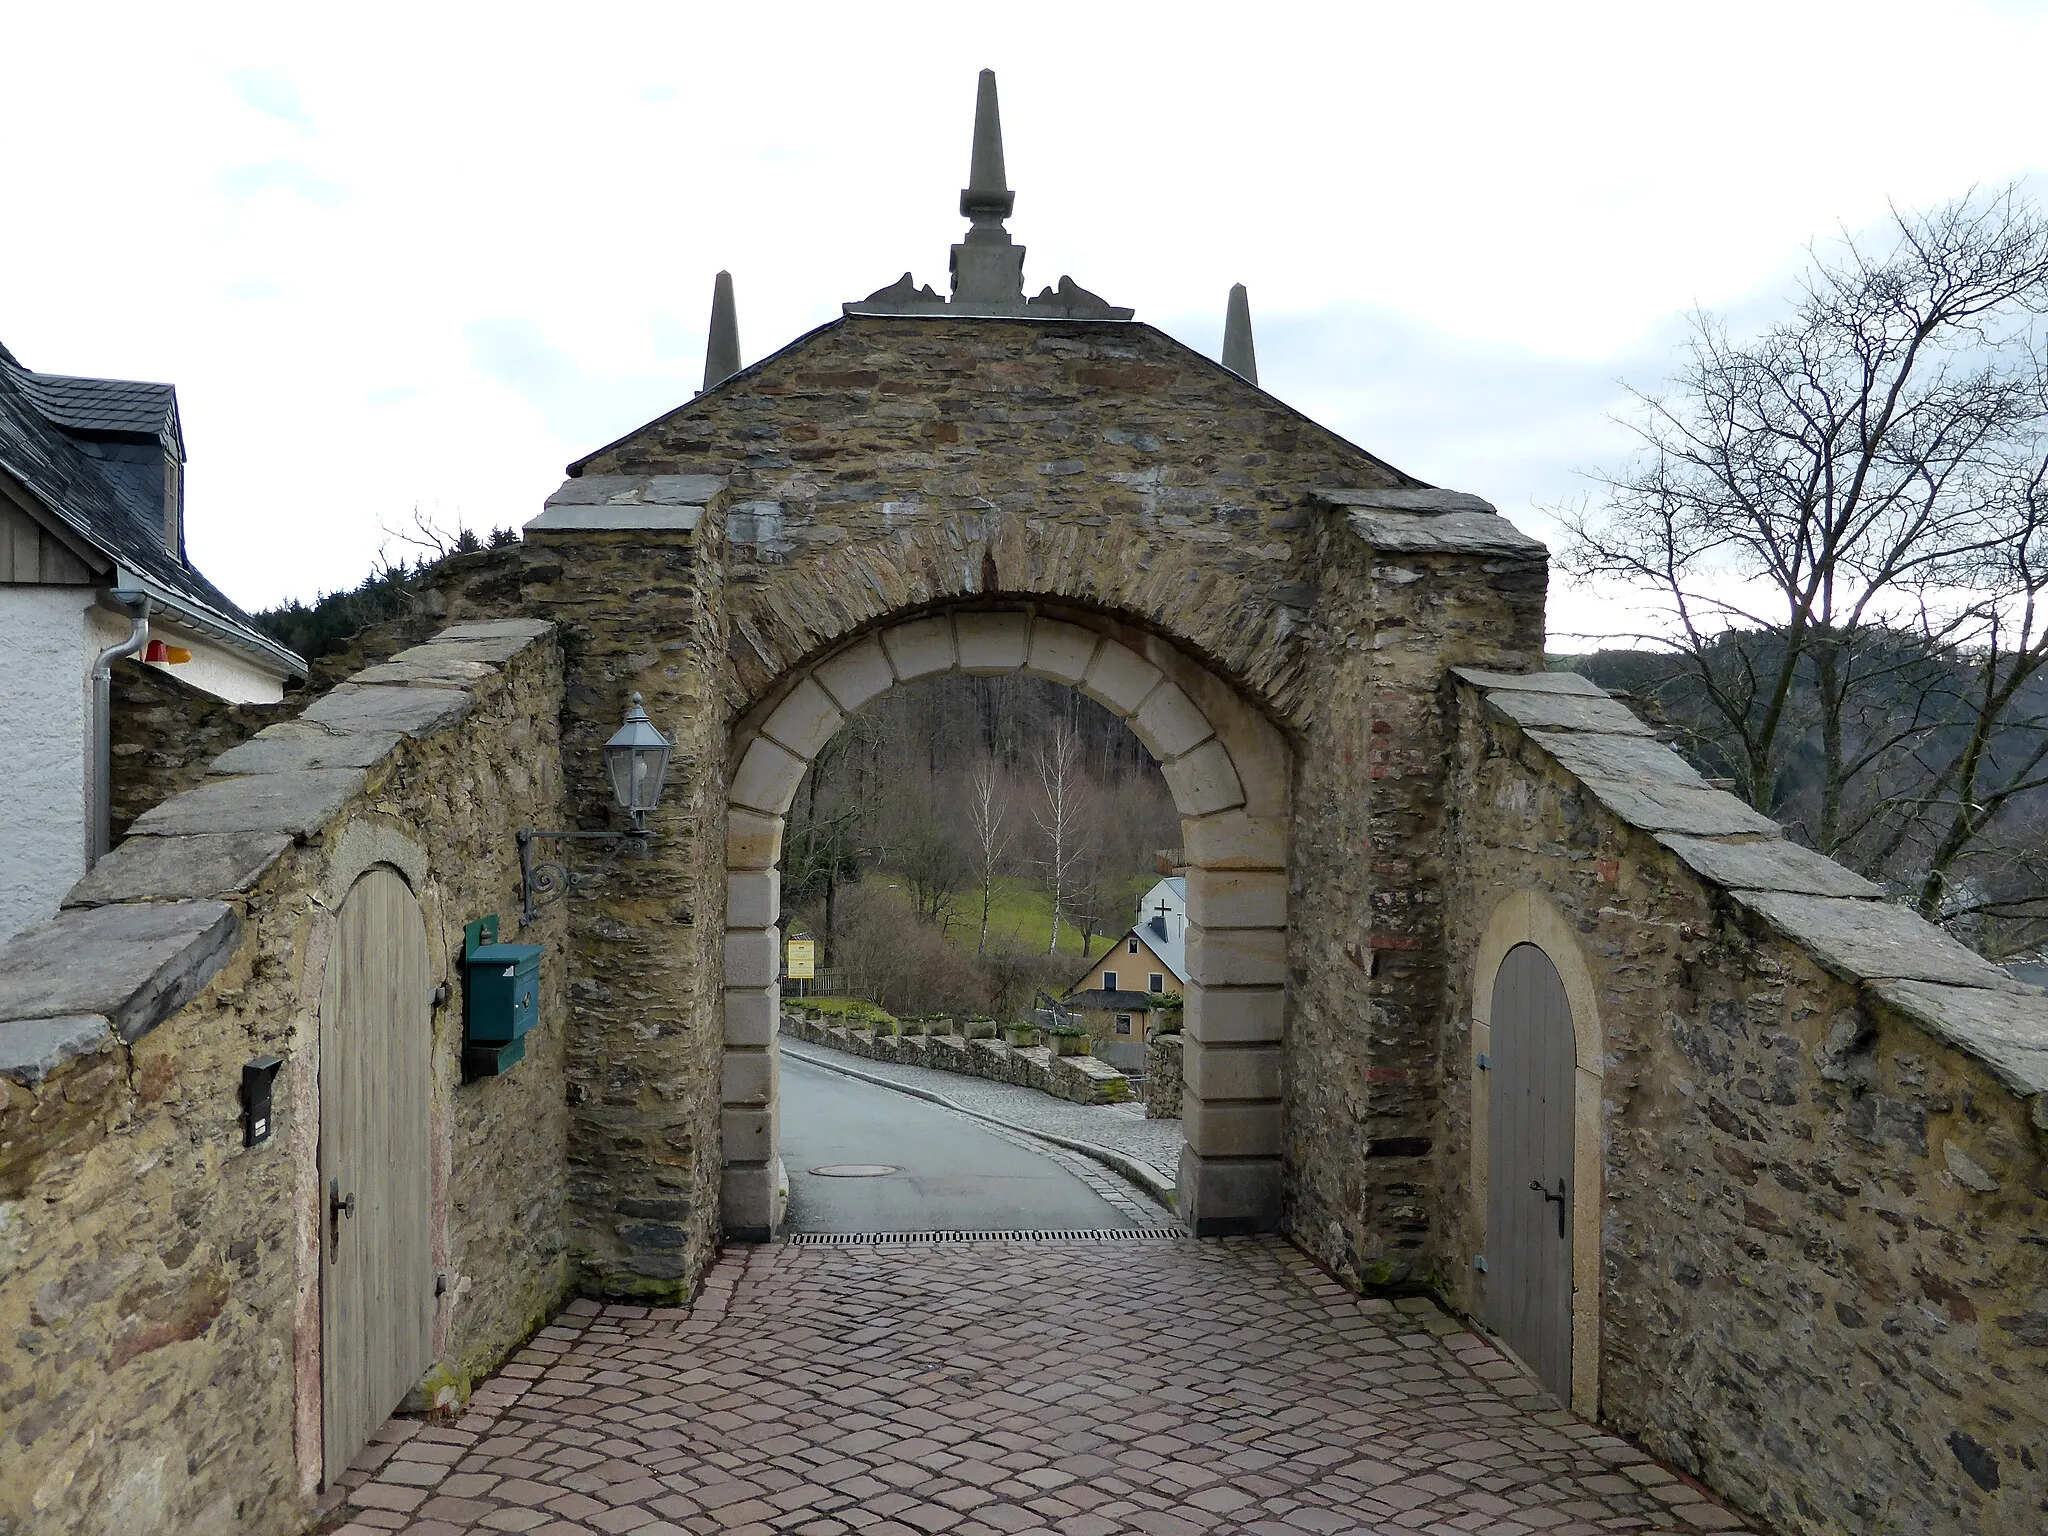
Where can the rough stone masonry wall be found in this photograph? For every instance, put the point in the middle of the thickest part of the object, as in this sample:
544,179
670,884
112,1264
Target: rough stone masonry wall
1823,1284
1403,599
159,1322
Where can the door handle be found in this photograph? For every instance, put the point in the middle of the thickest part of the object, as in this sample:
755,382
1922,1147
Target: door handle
1537,1186
339,1206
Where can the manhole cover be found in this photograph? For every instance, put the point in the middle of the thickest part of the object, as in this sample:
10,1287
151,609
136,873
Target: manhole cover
854,1170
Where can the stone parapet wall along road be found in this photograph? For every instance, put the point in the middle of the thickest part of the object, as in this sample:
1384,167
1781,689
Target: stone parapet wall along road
1162,1077
1078,1079
1813,1148
159,1282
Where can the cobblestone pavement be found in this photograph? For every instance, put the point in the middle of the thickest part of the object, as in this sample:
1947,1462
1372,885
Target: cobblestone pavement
1122,1127
1162,1387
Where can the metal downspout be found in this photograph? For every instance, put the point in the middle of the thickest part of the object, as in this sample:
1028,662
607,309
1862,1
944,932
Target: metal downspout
99,814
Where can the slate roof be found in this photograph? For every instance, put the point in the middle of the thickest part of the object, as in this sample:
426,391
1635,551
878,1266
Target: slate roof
70,486
118,407
1095,999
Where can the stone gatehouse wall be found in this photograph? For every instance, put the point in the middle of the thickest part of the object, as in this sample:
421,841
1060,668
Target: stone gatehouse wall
159,1304
1822,1284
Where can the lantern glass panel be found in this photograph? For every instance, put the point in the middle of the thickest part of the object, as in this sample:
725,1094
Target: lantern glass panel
636,761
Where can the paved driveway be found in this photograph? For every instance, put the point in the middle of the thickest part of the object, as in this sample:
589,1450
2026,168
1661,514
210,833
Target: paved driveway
1087,1388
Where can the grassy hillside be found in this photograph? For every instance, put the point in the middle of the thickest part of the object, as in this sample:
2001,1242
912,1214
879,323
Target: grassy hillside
1022,915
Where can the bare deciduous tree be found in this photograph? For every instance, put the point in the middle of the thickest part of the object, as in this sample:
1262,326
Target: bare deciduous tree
988,809
1063,786
1839,519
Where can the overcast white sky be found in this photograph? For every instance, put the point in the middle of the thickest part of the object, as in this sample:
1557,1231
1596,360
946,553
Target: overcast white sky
423,255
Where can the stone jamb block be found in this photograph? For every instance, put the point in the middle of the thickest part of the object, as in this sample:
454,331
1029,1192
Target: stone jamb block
1232,1128
753,957
805,720
857,674
1235,1015
1228,1197
921,648
746,1200
1237,898
1169,724
992,643
767,778
748,1076
752,840
1120,679
1237,957
1205,781
1213,1072
746,1133
753,1016
1060,651
1233,839
753,898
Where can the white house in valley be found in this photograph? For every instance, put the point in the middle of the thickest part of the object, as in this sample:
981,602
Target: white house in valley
1149,961
93,569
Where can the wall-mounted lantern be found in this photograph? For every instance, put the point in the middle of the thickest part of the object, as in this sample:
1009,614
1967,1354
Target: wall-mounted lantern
636,762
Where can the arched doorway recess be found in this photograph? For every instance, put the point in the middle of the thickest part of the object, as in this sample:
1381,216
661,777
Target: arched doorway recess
1231,774
1528,948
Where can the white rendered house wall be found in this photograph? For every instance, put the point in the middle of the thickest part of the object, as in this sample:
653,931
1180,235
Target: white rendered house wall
48,638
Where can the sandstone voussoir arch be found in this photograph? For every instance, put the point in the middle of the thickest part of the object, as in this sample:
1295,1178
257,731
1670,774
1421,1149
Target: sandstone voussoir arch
1230,771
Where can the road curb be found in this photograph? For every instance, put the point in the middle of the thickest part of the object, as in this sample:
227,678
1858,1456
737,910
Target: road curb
1144,1175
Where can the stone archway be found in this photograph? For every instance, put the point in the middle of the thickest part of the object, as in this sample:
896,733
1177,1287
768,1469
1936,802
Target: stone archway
1231,775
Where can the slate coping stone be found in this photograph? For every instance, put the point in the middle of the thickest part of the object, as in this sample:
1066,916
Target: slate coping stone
1425,501
448,671
1447,533
496,649
1567,712
2004,1027
1663,807
178,868
1776,864
416,711
31,1049
1531,682
1872,940
617,519
491,629
1628,759
637,490
134,963
300,803
293,745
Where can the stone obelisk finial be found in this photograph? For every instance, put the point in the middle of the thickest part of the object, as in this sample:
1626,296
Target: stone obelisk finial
722,350
1238,355
988,268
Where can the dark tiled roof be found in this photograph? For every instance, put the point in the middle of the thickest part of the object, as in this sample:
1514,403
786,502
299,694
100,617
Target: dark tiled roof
1107,1002
124,406
72,489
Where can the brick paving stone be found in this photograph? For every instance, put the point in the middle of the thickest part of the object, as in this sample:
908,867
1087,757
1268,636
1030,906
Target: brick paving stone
1009,1388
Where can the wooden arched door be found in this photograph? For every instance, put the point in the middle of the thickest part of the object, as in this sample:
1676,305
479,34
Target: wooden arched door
376,1238
1529,1172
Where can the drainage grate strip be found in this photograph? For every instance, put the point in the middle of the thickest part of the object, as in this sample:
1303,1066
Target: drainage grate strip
1042,1235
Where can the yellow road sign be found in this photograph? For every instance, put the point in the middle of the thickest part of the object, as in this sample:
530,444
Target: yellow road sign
803,959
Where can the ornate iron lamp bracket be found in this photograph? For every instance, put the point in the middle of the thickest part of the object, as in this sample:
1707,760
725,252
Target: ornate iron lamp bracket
543,882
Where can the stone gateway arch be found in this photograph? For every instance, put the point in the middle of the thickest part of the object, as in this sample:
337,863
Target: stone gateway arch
895,496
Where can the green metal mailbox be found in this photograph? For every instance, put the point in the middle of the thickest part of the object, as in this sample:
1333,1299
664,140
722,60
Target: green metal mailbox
501,1002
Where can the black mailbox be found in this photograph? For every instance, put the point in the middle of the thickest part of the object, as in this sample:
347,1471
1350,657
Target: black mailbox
257,1078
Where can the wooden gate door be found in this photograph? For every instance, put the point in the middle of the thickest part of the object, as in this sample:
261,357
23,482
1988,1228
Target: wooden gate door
1529,1193
376,1271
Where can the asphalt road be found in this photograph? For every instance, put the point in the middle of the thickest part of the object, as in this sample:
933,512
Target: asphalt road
951,1174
